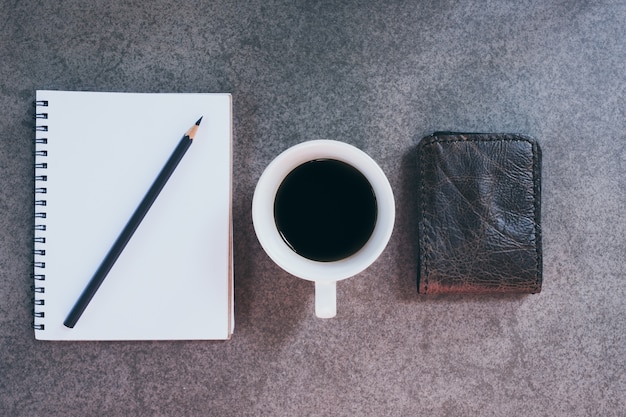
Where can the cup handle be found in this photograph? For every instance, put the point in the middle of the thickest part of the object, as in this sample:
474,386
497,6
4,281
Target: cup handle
325,299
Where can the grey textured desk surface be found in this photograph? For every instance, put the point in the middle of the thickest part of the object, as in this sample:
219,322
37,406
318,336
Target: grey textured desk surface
379,75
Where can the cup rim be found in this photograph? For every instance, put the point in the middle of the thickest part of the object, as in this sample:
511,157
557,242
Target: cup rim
269,236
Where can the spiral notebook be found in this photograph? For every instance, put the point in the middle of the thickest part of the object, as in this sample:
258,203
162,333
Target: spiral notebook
96,156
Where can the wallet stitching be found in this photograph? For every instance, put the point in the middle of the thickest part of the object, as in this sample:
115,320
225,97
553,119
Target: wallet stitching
536,213
495,138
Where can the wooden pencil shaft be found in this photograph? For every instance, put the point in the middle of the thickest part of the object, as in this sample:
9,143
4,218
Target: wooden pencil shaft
128,231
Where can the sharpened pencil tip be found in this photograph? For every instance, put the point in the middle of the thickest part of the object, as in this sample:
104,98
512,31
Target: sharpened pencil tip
193,130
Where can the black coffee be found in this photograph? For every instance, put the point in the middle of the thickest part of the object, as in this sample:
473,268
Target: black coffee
325,210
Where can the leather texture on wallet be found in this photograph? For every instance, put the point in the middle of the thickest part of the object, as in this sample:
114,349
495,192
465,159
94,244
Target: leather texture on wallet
479,214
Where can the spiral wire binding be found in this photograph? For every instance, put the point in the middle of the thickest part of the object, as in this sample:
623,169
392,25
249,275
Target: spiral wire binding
41,189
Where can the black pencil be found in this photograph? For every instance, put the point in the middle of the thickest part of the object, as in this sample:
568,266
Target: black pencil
130,227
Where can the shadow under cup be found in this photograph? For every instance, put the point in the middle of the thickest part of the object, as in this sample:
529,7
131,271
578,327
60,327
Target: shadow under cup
323,211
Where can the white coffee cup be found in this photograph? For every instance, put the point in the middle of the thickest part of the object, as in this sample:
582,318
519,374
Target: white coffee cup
324,274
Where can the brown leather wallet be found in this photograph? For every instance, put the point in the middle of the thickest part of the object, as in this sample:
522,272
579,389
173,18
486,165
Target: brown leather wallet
479,203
